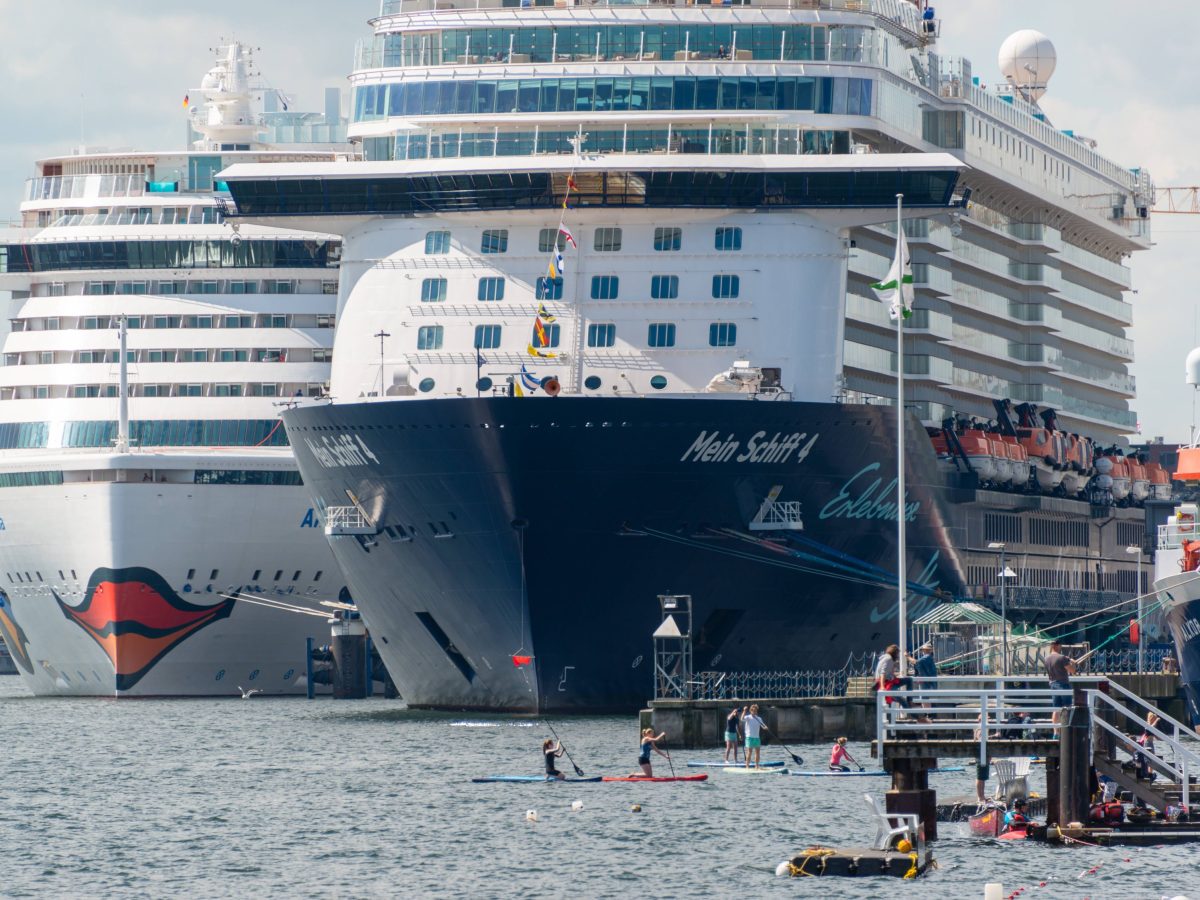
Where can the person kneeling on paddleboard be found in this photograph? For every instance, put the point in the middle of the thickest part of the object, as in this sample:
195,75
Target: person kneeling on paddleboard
840,753
649,742
552,751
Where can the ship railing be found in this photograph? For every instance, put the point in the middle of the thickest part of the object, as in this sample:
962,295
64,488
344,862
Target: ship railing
341,520
774,685
1172,536
898,12
1125,662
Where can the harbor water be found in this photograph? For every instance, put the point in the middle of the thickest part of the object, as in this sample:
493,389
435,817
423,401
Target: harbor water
284,798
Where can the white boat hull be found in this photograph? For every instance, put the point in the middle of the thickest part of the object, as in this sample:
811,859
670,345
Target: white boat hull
109,590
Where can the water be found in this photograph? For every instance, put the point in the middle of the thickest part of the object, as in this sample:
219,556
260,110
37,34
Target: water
285,798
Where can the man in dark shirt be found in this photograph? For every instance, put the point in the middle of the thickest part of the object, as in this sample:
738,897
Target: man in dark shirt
1059,669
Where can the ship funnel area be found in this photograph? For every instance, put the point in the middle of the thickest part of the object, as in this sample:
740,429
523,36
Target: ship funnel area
224,118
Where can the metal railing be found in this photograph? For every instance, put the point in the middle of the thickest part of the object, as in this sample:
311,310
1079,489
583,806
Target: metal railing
347,520
1171,536
1122,662
777,684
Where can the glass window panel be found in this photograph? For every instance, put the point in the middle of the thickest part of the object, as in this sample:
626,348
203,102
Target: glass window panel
706,93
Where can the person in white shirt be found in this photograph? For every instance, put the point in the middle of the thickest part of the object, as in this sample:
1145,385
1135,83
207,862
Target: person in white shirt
751,727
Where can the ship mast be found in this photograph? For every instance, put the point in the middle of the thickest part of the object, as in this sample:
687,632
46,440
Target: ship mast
901,549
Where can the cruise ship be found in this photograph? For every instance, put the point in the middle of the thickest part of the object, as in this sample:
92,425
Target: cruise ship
156,539
606,331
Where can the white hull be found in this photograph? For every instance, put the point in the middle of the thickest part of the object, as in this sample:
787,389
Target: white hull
64,547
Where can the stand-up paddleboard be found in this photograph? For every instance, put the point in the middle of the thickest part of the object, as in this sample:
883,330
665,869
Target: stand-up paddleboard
742,770
701,764
701,777
869,773
527,779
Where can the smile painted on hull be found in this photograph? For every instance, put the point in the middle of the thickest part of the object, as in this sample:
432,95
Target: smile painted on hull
137,619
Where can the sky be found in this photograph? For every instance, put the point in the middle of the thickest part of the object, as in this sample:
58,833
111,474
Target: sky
115,72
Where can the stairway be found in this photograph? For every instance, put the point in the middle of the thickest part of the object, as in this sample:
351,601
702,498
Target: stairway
1158,794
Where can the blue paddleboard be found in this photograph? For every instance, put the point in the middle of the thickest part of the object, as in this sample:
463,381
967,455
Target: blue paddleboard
527,779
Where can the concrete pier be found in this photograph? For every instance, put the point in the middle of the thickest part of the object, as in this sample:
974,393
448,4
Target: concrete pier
696,724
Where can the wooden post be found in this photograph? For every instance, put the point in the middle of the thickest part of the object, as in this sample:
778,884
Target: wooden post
1053,813
1074,793
910,792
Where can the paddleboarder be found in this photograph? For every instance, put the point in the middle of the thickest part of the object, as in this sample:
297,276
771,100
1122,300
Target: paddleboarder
751,726
649,742
733,723
552,750
840,753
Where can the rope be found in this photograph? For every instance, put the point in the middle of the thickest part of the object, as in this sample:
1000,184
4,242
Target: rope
913,872
809,854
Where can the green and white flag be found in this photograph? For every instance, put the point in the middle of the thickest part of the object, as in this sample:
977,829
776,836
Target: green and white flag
896,289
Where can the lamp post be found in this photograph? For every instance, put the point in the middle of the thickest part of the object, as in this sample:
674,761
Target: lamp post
1005,574
1141,647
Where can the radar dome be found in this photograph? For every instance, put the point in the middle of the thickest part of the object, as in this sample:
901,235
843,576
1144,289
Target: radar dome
1193,367
1027,60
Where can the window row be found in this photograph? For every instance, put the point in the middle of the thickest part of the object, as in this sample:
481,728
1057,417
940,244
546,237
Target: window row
603,287
658,334
837,96
144,215
92,323
172,355
650,42
180,286
149,433
159,254
206,389
604,240
725,138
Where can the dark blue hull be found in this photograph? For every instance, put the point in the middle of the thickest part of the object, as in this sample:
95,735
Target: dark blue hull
1181,600
546,528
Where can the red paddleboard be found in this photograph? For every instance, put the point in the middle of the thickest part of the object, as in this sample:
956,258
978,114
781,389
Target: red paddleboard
701,777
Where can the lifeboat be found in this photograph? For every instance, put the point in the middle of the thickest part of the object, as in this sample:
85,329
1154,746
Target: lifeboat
1139,481
977,446
1045,450
1018,459
1160,481
1116,468
1078,472
1004,466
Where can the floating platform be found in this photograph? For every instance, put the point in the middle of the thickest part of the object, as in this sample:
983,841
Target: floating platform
858,862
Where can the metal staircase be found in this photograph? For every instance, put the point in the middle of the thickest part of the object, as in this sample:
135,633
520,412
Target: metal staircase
1175,758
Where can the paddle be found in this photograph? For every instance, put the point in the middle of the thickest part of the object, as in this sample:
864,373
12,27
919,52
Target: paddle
578,771
853,760
669,763
799,760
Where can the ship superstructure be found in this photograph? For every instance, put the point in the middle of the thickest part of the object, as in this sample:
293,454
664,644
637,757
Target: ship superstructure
125,538
665,218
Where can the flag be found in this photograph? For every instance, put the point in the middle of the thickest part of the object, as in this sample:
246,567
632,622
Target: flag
186,101
571,185
540,338
541,354
544,314
519,393
528,379
557,265
552,269
519,661
565,232
896,288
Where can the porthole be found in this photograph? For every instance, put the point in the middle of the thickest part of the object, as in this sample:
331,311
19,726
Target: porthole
483,384
592,382
426,385
658,382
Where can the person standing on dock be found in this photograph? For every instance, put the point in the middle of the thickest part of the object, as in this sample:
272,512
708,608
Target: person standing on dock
1059,669
752,725
732,726
885,673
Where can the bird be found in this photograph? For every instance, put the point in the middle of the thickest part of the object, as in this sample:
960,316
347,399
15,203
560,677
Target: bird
247,694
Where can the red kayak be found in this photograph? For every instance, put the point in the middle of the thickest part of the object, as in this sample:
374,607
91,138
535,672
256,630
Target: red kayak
1016,834
702,777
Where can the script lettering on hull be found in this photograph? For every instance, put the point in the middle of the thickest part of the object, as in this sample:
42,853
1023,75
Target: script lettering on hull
709,447
863,498
343,451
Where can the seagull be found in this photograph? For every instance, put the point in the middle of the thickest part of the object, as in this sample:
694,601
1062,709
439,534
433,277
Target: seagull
247,694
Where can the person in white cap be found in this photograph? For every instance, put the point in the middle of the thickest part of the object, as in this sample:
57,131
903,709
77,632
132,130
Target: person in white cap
926,670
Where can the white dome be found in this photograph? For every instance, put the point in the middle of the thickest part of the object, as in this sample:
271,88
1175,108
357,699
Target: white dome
1192,367
1027,60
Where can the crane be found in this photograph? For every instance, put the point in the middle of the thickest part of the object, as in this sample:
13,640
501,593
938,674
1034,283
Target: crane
1182,200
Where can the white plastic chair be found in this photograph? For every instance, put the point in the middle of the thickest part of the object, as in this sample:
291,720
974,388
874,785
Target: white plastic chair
908,827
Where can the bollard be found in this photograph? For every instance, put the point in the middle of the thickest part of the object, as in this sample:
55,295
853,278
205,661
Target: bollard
349,646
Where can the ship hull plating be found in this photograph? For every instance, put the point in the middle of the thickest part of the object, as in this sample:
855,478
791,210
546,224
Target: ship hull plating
1181,601
546,528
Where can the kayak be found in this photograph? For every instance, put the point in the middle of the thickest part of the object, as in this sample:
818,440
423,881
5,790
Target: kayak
700,764
1016,834
528,779
869,773
701,777
742,770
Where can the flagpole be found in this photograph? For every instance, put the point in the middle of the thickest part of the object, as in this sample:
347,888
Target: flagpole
902,553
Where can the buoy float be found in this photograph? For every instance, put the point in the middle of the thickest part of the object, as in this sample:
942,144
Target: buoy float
783,869
904,845
576,805
531,815
637,807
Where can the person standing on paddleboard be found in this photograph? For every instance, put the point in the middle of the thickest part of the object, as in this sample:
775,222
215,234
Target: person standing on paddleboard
732,723
552,751
752,726
649,742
